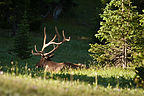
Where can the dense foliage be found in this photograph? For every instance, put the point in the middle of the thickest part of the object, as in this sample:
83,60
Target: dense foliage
22,44
122,34
138,3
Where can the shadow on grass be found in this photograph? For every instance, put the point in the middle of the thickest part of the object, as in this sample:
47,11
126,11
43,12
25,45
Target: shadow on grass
120,82
112,81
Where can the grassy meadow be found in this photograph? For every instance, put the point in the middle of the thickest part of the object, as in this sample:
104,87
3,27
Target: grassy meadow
82,82
21,78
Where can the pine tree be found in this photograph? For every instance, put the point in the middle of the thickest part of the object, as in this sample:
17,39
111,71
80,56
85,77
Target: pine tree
22,46
139,57
122,32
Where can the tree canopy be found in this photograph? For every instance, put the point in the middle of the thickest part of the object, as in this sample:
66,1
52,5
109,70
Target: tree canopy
123,34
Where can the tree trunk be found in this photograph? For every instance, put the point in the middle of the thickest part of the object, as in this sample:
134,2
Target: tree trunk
125,55
124,46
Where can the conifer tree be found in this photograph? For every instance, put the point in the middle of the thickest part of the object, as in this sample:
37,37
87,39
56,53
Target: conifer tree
22,45
139,57
122,32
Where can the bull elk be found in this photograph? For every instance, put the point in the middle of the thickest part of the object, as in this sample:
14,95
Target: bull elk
46,61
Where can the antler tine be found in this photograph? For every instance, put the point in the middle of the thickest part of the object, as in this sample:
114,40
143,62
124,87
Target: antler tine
37,54
44,36
44,39
63,34
53,38
57,33
51,51
65,37
51,42
59,43
36,49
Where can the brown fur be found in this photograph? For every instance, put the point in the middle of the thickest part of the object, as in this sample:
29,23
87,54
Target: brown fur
53,66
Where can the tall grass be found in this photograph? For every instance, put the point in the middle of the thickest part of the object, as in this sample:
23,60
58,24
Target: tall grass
83,82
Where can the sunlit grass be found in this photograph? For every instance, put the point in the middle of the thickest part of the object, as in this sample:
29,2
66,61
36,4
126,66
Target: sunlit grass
70,83
105,77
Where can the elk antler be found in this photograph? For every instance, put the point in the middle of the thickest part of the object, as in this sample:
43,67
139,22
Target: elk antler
38,53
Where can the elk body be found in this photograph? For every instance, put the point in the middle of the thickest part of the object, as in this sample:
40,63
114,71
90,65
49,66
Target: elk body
46,61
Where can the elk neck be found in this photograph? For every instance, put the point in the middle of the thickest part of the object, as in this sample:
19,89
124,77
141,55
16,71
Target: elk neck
43,61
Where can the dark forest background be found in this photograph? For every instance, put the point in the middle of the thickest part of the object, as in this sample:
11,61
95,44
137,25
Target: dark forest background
78,12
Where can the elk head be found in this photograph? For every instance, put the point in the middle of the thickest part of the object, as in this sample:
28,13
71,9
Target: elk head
45,60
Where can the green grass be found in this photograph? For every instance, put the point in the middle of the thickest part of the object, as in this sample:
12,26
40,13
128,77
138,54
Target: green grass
23,79
111,82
